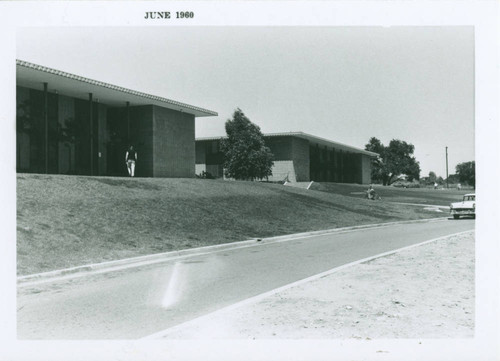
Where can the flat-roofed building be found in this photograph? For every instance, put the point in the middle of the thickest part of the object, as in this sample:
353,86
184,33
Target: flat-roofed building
298,157
68,124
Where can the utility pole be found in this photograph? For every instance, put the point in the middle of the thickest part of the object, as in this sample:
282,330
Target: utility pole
446,167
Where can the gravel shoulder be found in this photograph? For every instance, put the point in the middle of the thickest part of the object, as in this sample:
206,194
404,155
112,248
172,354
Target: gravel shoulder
422,292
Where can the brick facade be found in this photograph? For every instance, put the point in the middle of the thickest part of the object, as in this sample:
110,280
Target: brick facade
163,138
366,170
296,159
301,159
291,158
69,124
174,147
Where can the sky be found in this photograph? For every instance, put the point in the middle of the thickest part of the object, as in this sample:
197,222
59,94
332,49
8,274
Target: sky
346,84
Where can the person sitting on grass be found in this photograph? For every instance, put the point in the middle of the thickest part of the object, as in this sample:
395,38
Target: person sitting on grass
370,193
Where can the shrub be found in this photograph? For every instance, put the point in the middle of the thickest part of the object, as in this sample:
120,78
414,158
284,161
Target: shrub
205,175
406,184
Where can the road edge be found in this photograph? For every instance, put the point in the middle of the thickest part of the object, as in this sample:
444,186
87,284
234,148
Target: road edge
260,297
116,265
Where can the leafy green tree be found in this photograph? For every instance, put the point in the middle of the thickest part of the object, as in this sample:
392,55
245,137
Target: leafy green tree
245,155
376,146
432,177
453,178
395,159
467,173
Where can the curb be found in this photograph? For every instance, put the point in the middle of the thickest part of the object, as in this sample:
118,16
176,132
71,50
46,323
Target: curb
422,205
109,266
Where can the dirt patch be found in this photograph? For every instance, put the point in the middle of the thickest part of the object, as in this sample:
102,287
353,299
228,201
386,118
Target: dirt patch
422,292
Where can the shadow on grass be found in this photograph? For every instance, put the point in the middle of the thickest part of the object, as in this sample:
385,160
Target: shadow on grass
128,183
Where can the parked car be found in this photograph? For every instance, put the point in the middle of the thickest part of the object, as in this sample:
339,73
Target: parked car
465,208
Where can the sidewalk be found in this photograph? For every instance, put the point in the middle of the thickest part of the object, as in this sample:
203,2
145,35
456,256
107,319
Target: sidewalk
422,292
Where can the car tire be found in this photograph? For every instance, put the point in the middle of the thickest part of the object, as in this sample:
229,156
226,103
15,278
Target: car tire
456,216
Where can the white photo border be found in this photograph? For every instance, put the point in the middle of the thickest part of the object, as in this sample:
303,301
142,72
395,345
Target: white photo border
483,16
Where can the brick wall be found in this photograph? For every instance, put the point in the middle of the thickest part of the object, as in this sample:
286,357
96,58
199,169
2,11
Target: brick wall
291,158
163,138
295,157
366,176
281,147
301,159
174,146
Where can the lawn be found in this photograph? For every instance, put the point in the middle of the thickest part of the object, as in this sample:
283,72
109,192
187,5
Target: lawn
440,197
65,221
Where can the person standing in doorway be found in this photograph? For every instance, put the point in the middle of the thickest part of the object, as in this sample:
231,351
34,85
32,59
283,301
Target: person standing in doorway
130,159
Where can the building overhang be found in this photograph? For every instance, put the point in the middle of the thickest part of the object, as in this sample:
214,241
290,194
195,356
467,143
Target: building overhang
312,139
33,76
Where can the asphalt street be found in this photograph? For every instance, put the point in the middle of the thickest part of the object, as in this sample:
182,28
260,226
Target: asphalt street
137,302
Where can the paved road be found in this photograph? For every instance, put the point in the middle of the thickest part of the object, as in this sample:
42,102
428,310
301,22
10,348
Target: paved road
137,302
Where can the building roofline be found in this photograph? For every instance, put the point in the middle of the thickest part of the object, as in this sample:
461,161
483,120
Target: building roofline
311,138
97,83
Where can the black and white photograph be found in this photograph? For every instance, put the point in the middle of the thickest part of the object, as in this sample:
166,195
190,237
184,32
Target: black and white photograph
187,186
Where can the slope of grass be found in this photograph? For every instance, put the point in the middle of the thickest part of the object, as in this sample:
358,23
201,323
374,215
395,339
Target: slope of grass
440,197
65,221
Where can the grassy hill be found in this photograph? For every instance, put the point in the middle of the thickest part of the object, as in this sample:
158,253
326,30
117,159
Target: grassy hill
65,221
440,197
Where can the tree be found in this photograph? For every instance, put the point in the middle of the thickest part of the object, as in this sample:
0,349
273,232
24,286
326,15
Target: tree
245,155
432,177
376,146
394,160
467,173
453,178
